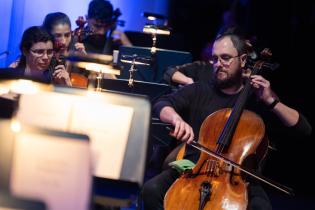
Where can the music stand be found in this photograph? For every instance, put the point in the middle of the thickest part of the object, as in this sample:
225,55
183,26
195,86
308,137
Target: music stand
67,104
34,166
150,89
162,59
132,168
6,151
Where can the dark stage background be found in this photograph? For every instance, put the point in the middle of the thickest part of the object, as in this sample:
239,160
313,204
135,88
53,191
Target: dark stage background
287,27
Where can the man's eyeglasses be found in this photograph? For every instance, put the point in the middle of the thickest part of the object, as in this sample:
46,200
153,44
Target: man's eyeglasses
224,59
41,52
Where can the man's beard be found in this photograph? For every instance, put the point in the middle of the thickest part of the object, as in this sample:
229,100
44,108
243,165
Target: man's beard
230,80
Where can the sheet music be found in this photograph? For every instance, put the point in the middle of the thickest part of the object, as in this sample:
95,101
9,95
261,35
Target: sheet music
53,169
107,125
45,109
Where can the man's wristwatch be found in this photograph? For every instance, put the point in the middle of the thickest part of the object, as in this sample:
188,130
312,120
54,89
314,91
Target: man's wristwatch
273,104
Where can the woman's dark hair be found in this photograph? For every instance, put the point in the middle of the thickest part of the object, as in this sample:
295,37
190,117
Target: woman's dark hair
55,18
31,36
101,10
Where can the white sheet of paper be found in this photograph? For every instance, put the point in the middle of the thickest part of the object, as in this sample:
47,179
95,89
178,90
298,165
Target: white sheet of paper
54,169
108,127
46,109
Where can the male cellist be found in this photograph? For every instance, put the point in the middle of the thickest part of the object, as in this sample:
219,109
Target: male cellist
101,19
187,108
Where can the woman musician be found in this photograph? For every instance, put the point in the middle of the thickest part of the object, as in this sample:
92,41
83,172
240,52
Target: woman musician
36,55
59,26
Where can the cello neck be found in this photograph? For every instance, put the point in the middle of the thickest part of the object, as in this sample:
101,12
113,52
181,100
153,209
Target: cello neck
237,110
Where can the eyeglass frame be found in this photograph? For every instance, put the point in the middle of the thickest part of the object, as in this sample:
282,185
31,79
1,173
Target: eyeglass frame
224,61
36,53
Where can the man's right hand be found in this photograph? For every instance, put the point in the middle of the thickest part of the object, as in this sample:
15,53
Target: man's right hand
79,47
182,130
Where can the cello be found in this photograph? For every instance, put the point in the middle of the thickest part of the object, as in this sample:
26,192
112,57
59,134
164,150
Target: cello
79,80
229,135
107,50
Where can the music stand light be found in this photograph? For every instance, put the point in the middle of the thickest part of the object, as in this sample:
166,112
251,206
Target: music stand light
98,63
155,30
153,16
133,61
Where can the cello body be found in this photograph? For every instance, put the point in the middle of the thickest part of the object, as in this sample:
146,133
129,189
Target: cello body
79,80
224,186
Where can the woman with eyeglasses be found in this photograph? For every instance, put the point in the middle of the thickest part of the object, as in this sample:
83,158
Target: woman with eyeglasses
36,54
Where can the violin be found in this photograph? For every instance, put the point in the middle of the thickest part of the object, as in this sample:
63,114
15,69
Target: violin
227,137
78,35
57,59
77,80
81,32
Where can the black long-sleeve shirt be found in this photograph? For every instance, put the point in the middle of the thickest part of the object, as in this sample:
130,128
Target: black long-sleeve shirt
199,71
197,101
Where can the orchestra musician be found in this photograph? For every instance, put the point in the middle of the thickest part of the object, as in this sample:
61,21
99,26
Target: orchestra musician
103,37
187,108
59,26
198,71
201,70
36,54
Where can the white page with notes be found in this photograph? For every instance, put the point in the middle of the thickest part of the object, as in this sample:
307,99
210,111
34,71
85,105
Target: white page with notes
106,124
